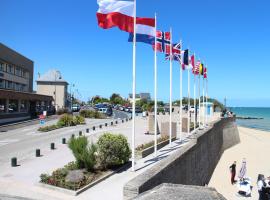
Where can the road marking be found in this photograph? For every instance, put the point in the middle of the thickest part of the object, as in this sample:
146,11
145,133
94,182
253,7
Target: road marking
5,142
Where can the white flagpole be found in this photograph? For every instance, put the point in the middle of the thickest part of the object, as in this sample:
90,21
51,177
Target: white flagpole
203,102
181,95
194,90
206,97
155,71
170,87
134,89
199,88
188,100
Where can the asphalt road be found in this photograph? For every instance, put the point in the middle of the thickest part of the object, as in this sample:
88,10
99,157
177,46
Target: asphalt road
23,141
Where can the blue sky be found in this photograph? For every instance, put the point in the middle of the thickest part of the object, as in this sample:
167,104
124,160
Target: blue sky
231,37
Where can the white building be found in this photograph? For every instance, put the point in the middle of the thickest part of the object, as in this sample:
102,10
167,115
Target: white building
53,84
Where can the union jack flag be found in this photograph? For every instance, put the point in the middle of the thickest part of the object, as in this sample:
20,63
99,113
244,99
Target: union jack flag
196,69
163,42
176,51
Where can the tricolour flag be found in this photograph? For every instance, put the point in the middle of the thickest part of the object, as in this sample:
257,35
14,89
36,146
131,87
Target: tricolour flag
144,33
184,59
201,69
115,13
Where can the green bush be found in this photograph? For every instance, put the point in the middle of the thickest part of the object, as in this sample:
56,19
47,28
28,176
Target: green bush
83,153
48,128
62,111
91,114
78,120
113,150
65,120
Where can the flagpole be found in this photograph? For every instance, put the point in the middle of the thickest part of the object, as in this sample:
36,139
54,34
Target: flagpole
188,101
194,92
155,71
199,88
170,87
203,102
206,95
134,88
181,96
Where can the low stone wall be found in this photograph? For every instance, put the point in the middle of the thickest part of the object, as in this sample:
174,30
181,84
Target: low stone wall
191,165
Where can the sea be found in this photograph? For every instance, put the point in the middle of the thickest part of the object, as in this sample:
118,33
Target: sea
259,112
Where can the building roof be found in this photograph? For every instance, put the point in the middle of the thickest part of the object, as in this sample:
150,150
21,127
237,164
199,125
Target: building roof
52,76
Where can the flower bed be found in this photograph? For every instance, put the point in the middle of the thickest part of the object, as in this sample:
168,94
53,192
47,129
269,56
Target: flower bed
93,163
65,121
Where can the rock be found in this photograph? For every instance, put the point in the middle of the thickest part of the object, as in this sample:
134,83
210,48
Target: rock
74,176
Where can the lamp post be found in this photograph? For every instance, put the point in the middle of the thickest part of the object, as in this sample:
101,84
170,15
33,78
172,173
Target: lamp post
71,96
57,73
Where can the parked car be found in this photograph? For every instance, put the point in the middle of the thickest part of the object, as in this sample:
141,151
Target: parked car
76,108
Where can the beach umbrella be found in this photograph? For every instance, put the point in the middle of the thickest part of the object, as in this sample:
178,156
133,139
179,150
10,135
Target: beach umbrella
243,170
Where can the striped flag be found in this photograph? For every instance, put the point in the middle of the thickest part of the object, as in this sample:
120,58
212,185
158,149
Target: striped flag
205,72
196,69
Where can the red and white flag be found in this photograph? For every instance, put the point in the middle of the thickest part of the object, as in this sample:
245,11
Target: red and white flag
196,69
115,13
204,72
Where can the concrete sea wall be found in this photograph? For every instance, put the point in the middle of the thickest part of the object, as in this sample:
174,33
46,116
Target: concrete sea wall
191,165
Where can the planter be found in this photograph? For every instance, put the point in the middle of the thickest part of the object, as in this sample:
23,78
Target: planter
79,191
150,150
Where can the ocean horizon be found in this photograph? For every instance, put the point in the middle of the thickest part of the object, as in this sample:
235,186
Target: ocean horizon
254,112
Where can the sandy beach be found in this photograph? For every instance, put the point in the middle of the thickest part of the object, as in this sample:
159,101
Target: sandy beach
254,146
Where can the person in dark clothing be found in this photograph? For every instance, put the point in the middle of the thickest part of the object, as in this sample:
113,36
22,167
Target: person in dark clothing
233,172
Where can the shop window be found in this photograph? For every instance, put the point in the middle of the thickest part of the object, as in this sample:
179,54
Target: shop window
2,105
13,105
23,106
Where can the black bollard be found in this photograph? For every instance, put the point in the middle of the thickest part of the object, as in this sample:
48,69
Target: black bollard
87,130
123,121
126,119
100,126
52,146
106,124
80,133
116,122
157,113
111,123
94,128
63,140
72,136
14,162
37,152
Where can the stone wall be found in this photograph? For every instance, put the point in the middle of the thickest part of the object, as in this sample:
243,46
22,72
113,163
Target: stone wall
191,165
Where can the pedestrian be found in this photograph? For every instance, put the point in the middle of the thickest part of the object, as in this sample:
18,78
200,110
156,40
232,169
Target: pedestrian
243,170
233,172
261,185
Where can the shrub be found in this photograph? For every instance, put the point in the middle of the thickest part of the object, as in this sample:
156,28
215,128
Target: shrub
152,143
113,150
65,120
62,111
78,120
84,154
48,128
91,114
44,178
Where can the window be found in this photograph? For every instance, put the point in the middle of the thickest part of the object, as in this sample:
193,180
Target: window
23,106
18,71
9,85
2,105
2,67
10,69
2,83
13,105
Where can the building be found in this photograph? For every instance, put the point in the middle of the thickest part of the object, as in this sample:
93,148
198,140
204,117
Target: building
17,99
53,84
140,96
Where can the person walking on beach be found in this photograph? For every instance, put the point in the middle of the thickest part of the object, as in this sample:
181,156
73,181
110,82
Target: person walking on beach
233,172
243,170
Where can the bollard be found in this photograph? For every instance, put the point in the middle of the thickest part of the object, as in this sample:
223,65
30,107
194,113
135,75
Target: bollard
111,123
94,128
14,162
52,146
87,130
72,136
63,140
106,124
80,133
116,122
157,113
126,119
37,152
123,121
100,126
